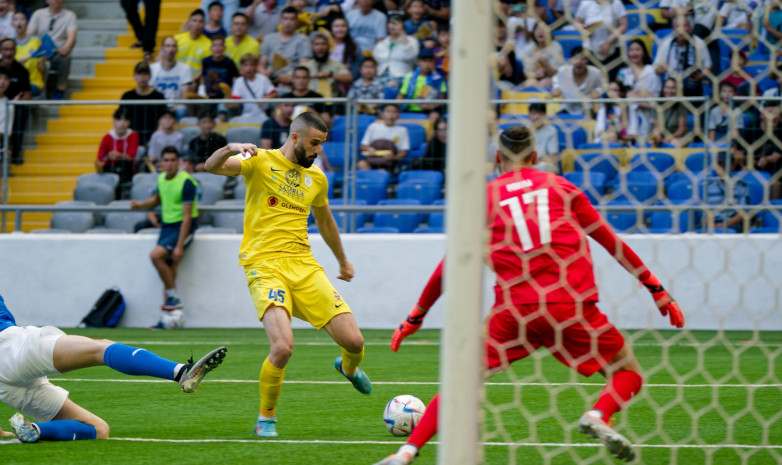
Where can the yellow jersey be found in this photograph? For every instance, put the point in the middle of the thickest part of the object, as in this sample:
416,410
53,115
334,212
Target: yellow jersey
192,52
235,52
276,206
25,50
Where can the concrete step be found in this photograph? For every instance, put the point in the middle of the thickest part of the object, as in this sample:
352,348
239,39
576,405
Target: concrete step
33,184
93,124
98,94
95,111
34,167
28,226
104,82
67,139
117,68
38,198
96,9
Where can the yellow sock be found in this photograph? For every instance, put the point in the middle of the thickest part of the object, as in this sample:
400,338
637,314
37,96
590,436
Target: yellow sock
350,361
271,386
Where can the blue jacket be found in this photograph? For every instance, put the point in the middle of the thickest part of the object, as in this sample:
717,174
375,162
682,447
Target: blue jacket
6,319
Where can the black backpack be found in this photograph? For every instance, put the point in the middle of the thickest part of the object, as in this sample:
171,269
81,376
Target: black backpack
107,311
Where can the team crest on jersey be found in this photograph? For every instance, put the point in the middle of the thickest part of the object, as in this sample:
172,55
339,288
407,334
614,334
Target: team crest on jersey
308,180
272,201
293,178
337,297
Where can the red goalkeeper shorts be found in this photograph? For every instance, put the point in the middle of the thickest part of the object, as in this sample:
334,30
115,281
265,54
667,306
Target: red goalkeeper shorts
578,335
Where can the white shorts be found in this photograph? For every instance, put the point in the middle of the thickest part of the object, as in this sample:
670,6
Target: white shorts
26,362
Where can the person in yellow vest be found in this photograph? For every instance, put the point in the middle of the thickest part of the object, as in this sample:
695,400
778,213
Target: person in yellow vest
239,43
284,278
26,46
177,195
192,45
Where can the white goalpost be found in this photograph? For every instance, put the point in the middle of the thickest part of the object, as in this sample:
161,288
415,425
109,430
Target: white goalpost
460,367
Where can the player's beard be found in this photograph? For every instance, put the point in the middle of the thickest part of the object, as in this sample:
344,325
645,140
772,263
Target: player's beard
301,156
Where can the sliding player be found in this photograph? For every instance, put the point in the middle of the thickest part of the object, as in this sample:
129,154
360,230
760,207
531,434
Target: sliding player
30,354
545,293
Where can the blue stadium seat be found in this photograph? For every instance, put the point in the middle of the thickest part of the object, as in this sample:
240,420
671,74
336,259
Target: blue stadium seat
640,21
330,177
605,163
370,192
377,230
404,222
679,176
417,135
567,34
335,154
639,176
570,135
340,121
656,231
637,192
424,192
373,176
682,192
698,162
757,71
764,231
622,221
568,45
758,183
338,134
343,219
436,220
664,221
540,89
428,230
714,231
771,220
592,180
568,117
412,115
599,146
432,176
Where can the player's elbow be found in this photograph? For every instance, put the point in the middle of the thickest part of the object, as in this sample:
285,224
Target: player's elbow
101,429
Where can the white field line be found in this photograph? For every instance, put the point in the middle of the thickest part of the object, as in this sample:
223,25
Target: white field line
392,443
418,383
418,343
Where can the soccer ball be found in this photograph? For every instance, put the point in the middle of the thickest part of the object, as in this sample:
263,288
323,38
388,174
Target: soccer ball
402,413
174,319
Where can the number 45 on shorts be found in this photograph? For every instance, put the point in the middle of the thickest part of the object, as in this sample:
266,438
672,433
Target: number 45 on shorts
277,295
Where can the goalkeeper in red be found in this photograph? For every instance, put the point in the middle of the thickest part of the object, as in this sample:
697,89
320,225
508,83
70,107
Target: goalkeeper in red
545,293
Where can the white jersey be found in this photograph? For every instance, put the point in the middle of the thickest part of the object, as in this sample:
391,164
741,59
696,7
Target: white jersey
170,82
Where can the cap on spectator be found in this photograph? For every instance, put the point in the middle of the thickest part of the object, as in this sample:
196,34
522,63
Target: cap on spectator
396,16
426,53
141,68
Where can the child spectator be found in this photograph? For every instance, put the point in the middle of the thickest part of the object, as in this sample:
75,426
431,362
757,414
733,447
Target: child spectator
368,87
207,142
275,130
720,116
214,25
385,143
118,148
616,122
26,46
166,135
424,83
252,85
546,139
219,71
239,43
416,25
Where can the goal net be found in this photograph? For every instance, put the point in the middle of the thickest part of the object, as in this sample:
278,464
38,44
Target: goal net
667,116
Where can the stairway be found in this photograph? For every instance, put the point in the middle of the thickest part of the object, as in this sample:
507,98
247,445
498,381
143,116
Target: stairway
62,142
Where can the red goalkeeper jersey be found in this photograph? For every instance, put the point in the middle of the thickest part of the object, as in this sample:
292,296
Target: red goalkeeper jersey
538,247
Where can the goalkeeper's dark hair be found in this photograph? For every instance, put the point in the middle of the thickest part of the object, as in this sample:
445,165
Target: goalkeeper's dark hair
517,143
307,120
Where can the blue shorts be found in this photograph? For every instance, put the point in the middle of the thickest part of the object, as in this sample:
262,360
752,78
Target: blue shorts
169,235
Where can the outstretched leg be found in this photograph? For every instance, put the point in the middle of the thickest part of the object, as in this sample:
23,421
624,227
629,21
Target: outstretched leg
424,432
73,422
277,323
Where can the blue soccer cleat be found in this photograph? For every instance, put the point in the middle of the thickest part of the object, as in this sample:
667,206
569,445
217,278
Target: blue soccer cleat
23,429
172,303
360,380
267,428
193,373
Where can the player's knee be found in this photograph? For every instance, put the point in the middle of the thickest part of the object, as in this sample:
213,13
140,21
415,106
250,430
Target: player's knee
354,344
282,351
101,428
158,254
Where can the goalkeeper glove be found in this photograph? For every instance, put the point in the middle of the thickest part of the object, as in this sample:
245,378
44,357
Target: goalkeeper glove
664,301
408,327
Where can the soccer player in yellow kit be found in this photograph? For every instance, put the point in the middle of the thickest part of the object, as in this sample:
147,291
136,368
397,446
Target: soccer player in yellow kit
284,278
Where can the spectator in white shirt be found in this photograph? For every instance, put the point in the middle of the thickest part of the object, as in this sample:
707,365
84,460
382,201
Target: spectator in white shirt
172,78
736,14
397,53
578,80
385,133
542,57
367,25
252,85
684,57
603,22
642,82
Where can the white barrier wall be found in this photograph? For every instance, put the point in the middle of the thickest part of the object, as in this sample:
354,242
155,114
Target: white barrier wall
729,282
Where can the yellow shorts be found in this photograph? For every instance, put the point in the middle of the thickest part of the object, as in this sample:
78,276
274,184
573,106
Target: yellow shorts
297,284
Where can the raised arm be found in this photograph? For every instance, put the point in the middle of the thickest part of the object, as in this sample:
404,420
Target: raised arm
221,161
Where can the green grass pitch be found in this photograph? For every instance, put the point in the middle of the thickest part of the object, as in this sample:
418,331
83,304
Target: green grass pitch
708,398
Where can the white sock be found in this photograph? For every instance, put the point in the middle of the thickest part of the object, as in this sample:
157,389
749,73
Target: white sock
408,448
177,368
171,293
261,417
596,413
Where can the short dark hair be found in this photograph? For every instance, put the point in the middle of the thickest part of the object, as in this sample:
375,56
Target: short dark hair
167,112
727,84
575,51
142,68
240,14
517,143
289,10
5,71
368,60
218,37
197,12
121,113
307,120
394,105
6,39
169,149
301,68
215,3
205,113
538,107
